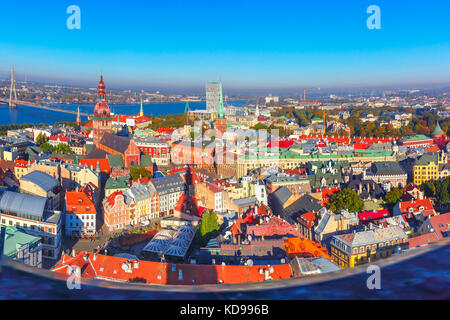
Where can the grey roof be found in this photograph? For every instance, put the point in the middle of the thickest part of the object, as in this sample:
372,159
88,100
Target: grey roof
372,236
388,168
304,204
370,189
325,265
23,205
115,142
140,192
323,222
96,153
281,195
280,178
245,201
169,184
41,179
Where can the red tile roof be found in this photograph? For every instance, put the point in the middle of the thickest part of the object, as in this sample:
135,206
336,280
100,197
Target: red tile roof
60,138
433,148
122,269
78,202
165,130
276,227
297,171
111,199
441,224
104,164
22,163
187,205
371,215
284,144
263,210
307,219
142,119
423,239
415,205
121,118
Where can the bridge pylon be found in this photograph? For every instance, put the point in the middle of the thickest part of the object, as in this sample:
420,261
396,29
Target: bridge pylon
12,104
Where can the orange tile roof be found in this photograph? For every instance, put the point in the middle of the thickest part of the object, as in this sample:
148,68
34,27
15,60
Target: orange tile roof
415,204
433,148
114,268
142,119
78,202
104,164
307,219
304,248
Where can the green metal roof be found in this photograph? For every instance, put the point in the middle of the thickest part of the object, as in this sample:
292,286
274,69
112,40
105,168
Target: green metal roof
117,183
426,158
115,160
416,137
15,238
437,129
146,160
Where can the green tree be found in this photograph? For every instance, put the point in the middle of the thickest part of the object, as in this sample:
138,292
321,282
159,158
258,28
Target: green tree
429,189
41,139
443,195
47,147
139,172
345,199
393,196
209,225
62,148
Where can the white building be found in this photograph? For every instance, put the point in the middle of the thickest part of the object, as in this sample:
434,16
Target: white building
28,212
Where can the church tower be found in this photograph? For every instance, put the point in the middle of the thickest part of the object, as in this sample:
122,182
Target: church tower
102,120
438,135
221,122
78,117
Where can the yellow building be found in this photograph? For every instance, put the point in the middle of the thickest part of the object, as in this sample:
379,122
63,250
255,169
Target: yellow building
146,202
353,249
426,167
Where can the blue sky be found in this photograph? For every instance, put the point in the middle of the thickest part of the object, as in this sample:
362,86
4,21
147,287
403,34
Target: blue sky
246,43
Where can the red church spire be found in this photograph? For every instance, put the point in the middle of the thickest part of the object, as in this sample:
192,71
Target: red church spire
101,94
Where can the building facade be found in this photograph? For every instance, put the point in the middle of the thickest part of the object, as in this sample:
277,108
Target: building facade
353,249
28,213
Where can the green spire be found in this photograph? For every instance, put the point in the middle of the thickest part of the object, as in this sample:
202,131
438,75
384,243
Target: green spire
141,113
437,130
186,108
221,109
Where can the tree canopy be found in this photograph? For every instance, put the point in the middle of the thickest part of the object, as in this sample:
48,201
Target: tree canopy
393,196
139,172
345,199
